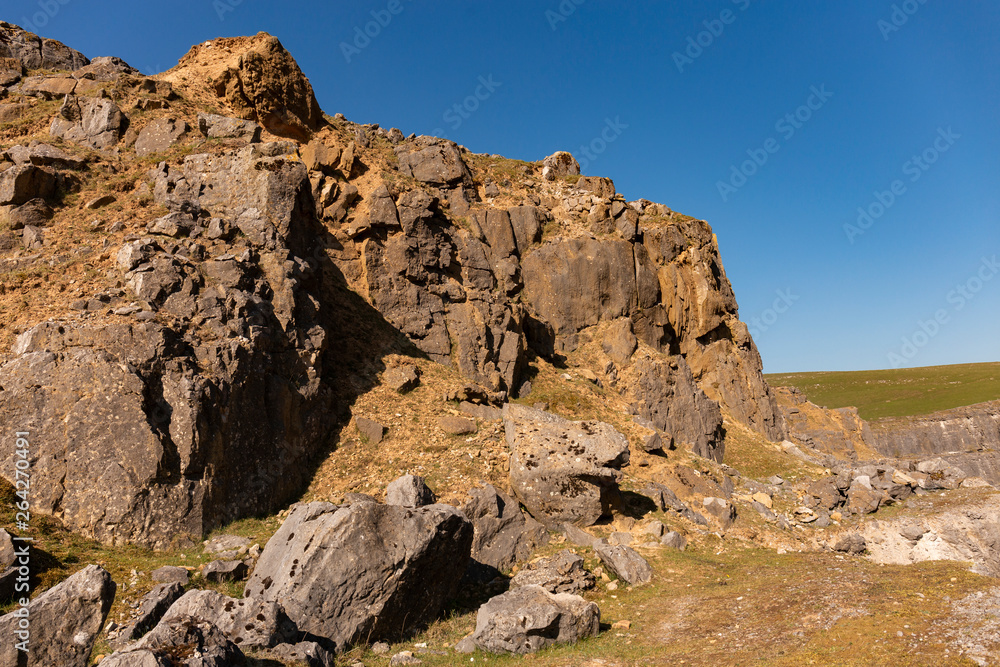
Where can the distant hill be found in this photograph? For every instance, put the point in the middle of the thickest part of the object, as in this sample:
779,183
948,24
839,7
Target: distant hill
898,393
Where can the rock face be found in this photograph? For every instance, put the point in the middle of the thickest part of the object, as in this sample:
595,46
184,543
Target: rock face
364,571
625,562
267,86
65,621
91,122
504,535
839,432
183,641
249,623
563,471
37,52
530,618
168,426
409,491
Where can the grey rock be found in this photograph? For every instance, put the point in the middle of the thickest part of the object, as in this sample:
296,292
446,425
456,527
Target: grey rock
219,571
624,562
65,621
21,184
171,574
214,126
562,471
504,535
674,540
434,161
32,237
93,122
370,429
160,135
221,543
562,164
36,52
402,379
851,543
530,618
723,511
7,554
578,536
249,622
364,572
562,573
409,491
180,642
309,653
764,511
619,342
486,413
151,610
43,155
618,538
404,658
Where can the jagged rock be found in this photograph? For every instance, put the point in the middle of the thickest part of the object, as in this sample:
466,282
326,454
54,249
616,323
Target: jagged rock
65,621
106,69
852,543
151,609
222,543
724,512
624,562
267,86
602,187
219,571
409,491
825,492
504,535
578,536
674,540
43,155
21,184
560,164
563,471
96,123
457,425
402,379
485,413
764,511
38,52
34,213
530,618
370,429
180,642
309,653
11,71
665,393
7,555
619,342
160,135
249,622
364,572
170,574
862,499
432,160
215,126
562,573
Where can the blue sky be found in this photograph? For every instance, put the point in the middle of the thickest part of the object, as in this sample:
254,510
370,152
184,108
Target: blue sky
695,89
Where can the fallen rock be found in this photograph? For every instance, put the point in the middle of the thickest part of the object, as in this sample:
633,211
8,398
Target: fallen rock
504,535
402,379
409,491
560,164
457,425
249,622
578,536
309,653
432,160
370,429
530,618
214,126
65,621
170,573
179,642
220,571
723,511
223,543
364,572
159,136
625,562
562,573
861,498
563,471
151,610
93,122
21,184
674,540
852,543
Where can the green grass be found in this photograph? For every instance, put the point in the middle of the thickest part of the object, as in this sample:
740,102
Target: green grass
898,393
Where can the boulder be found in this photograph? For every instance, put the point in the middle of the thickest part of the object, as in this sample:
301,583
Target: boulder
214,126
171,574
851,543
43,155
723,511
222,543
7,555
402,379
563,471
624,562
179,642
409,491
21,184
862,499
310,654
370,429
159,136
562,573
560,164
457,425
267,86
249,622
530,618
152,607
434,161
93,122
65,621
619,342
674,540
364,572
220,571
504,535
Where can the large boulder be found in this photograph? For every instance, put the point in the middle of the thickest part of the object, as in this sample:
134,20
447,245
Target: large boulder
92,122
409,491
38,52
179,642
160,135
434,161
21,184
563,471
363,572
528,619
65,621
504,535
248,622
624,562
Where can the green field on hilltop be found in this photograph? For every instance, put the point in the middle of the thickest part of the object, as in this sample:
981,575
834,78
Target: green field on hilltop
898,393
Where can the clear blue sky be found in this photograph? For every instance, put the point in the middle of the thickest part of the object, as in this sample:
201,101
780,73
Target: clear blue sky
562,70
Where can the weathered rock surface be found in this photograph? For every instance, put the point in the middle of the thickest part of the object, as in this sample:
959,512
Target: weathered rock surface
215,126
219,571
528,619
65,621
504,535
625,562
309,653
179,642
409,491
152,609
562,573
36,52
95,123
160,135
171,574
21,184
839,432
365,571
248,623
563,471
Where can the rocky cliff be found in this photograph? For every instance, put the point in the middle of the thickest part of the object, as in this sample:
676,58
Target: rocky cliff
231,280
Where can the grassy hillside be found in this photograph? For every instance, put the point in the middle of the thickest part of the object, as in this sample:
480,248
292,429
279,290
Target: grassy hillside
898,393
